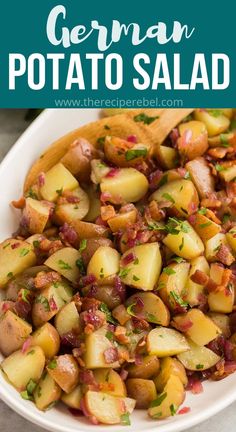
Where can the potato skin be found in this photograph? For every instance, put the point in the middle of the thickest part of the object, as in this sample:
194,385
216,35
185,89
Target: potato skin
170,366
92,244
46,393
13,333
148,368
65,371
142,390
48,339
116,151
193,140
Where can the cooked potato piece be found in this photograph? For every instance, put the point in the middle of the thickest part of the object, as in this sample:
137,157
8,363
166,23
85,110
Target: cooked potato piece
201,176
215,124
69,211
110,382
104,263
94,204
128,185
169,366
171,284
46,305
120,221
13,333
204,226
48,339
15,256
64,262
152,308
198,358
57,180
73,399
46,393
193,140
148,368
222,139
99,170
164,342
212,246
107,409
143,272
21,367
87,230
78,158
142,390
124,153
231,238
187,244
96,344
228,173
65,371
198,326
169,401
222,301
181,194
36,214
67,319
167,156
193,291
91,245
106,294
222,321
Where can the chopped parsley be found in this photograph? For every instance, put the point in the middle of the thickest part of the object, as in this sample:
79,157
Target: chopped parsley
63,265
80,264
173,409
205,225
152,318
136,261
142,117
24,252
136,278
199,366
59,191
130,310
125,419
177,259
123,272
36,244
83,245
174,226
226,217
24,295
107,127
215,112
101,141
224,140
202,211
163,180
169,271
31,194
135,153
52,364
10,275
219,167
157,402
187,175
178,299
25,395
44,301
104,308
182,244
31,386
168,197
6,245
109,335
101,274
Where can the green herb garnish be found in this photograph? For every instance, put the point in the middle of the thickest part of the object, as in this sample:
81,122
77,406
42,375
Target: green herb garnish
169,271
104,308
24,252
63,265
52,364
135,153
157,402
142,117
125,420
168,197
83,245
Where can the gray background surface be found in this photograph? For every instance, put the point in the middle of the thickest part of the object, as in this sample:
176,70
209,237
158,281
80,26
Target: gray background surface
12,124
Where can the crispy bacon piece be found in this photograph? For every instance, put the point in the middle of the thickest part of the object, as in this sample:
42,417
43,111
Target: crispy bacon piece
20,204
202,279
120,335
211,202
155,212
211,215
224,255
50,246
107,212
111,355
45,278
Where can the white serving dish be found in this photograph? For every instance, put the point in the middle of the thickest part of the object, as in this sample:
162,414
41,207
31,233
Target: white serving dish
49,126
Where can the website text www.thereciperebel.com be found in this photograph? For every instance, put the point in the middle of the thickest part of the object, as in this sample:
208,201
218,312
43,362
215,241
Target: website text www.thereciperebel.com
118,103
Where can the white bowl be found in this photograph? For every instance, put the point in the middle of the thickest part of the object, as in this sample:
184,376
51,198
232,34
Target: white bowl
50,125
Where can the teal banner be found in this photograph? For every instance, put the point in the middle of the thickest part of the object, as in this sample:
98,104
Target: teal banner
92,54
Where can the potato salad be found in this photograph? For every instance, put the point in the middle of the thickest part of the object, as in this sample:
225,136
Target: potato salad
119,283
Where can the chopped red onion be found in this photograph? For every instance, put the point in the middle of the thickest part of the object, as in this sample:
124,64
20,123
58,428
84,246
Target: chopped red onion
110,355
113,172
184,410
41,179
132,139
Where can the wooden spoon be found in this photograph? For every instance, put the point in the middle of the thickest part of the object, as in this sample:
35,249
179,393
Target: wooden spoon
121,125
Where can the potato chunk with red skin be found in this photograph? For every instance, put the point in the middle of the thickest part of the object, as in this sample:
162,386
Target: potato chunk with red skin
36,214
64,370
124,153
142,390
193,140
13,333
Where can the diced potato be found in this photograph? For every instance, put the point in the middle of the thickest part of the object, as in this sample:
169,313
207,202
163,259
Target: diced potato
104,263
216,273
15,256
153,309
21,367
193,140
120,221
106,294
227,112
169,401
91,245
201,328
219,140
228,173
48,339
65,371
110,382
193,291
67,319
13,333
142,390
169,366
187,245
222,301
128,185
87,230
198,358
167,156
78,159
46,393
204,226
36,214
143,272
201,176
94,204
72,211
181,194
212,246
231,238
107,409
164,342
171,284
124,153
64,262
96,344
222,321
148,368
99,170
46,305
215,124
57,180
73,399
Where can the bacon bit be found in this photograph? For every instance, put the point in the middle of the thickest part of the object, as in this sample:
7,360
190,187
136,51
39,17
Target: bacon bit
181,171
119,288
89,303
211,202
201,278
222,347
211,215
6,305
101,222
107,212
219,152
112,173
26,345
68,234
184,410
120,335
87,377
192,219
52,304
15,245
224,368
138,359
174,135
182,326
45,278
88,280
124,374
231,189
155,212
50,245
224,255
140,323
96,318
110,355
192,207
105,196
154,179
194,385
71,340
20,204
132,138
129,258
22,309
89,329
79,351
41,179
